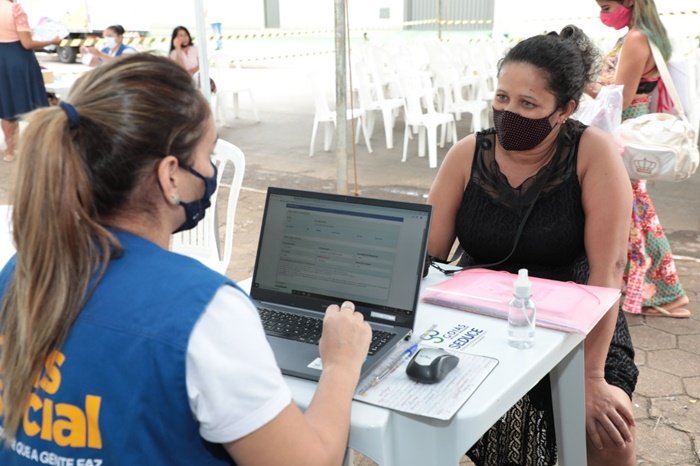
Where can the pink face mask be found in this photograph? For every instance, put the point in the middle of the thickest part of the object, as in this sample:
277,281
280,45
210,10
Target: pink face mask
616,19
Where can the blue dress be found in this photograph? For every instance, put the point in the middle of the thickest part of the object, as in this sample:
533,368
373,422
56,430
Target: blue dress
21,84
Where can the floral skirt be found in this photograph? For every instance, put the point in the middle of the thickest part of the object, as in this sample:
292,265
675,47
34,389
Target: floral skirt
650,277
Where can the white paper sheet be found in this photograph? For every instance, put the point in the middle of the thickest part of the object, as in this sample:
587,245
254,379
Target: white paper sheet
48,30
440,400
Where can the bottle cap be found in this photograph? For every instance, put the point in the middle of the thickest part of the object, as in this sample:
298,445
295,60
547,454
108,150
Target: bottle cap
523,286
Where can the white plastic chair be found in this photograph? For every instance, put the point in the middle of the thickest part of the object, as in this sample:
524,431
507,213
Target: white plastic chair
416,88
203,242
324,115
371,103
455,103
230,83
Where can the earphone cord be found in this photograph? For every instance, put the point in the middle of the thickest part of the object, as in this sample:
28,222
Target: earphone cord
518,233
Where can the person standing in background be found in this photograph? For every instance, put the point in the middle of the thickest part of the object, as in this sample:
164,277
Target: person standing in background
214,13
652,285
216,29
21,84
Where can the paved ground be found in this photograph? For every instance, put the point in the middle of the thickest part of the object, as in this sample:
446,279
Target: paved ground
666,402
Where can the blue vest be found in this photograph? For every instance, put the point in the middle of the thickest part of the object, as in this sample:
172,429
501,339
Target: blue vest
115,393
119,52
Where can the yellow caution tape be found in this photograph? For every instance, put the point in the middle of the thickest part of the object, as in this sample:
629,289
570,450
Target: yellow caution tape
420,22
150,40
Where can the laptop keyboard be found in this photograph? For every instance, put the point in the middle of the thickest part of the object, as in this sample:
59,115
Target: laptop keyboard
308,329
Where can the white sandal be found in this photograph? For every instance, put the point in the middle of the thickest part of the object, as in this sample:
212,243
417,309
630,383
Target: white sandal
658,311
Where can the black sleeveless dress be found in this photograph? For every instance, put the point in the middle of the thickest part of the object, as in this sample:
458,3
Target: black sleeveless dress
551,246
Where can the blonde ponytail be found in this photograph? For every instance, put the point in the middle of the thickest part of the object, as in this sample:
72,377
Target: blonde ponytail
61,250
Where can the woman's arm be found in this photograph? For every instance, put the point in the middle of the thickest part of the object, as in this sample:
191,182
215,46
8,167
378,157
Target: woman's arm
607,204
97,55
25,38
178,54
24,32
633,60
85,51
446,196
104,57
319,436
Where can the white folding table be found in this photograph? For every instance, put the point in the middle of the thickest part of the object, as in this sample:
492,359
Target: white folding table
62,84
393,438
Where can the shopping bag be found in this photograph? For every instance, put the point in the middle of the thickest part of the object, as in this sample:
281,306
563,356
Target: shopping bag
605,111
660,146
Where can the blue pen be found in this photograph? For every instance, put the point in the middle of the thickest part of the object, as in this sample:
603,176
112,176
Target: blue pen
406,354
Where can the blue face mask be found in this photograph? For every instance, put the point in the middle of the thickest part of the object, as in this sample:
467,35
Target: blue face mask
195,210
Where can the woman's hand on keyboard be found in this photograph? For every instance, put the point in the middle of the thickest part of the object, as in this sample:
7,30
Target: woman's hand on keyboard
345,338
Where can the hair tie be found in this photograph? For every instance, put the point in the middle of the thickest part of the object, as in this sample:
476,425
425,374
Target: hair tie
72,113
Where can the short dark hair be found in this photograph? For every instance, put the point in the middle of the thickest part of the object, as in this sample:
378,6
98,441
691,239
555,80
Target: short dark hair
568,58
118,29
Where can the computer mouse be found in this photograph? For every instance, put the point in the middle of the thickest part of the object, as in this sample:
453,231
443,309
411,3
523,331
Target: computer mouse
431,365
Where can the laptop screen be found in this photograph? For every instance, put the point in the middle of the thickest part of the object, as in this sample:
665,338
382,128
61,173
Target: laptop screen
320,248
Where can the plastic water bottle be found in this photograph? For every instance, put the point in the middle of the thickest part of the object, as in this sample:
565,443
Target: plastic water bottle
521,313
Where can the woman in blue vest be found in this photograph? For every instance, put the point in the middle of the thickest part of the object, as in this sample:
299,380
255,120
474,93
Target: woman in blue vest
112,47
116,351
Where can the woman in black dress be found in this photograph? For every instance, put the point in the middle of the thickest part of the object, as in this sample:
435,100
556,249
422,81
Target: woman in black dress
576,231
21,84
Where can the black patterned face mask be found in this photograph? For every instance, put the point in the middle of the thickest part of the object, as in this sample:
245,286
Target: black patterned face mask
515,132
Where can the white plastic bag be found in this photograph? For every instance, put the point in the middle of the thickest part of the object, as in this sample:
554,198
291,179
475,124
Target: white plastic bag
86,59
605,111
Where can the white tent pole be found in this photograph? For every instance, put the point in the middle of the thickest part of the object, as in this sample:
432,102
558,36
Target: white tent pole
202,47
